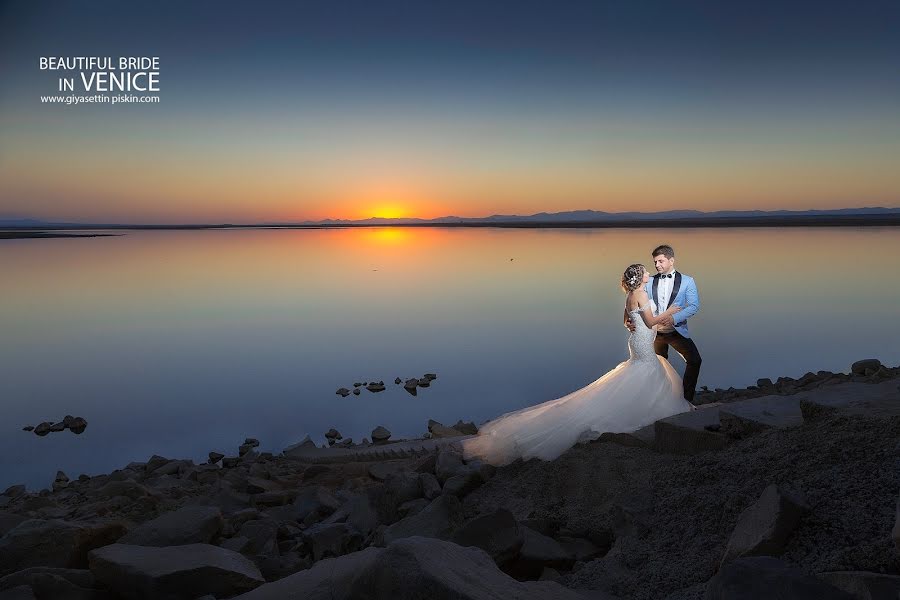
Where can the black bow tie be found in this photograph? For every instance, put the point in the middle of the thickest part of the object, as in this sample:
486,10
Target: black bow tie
661,275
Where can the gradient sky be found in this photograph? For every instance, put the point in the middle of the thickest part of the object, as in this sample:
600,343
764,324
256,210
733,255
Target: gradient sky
308,110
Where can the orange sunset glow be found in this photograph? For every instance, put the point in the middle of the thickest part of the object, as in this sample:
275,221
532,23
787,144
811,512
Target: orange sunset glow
593,114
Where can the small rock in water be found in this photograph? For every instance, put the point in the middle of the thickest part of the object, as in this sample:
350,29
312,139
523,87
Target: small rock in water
424,383
357,384
28,428
344,392
43,428
215,457
380,434
57,427
78,425
333,434
376,387
411,383
356,392
430,376
397,380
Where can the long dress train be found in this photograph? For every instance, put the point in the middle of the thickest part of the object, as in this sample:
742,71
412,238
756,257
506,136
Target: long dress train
637,392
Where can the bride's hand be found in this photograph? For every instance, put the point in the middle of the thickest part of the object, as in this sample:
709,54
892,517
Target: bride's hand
672,310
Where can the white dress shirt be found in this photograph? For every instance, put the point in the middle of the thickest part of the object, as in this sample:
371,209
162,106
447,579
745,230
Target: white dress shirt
664,291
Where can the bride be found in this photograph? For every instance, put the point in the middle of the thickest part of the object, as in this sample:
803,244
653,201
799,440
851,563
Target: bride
637,392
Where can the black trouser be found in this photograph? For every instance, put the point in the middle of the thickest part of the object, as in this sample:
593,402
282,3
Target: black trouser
688,351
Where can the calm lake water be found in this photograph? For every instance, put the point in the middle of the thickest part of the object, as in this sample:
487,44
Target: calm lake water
182,342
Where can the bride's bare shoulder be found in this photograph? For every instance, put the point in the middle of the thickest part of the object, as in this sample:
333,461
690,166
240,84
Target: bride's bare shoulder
635,299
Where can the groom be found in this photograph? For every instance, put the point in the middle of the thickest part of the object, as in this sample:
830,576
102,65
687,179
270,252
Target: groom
669,287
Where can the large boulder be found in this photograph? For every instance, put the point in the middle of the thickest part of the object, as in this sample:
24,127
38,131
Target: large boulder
187,525
467,428
125,487
497,533
412,507
447,465
305,444
410,569
31,576
895,532
431,489
463,483
439,430
361,514
864,585
20,592
427,568
689,433
9,521
335,539
55,584
402,487
438,520
53,543
754,577
865,366
176,572
261,535
538,552
315,503
379,471
765,526
329,579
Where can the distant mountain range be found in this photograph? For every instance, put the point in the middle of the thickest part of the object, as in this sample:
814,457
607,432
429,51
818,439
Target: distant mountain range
574,216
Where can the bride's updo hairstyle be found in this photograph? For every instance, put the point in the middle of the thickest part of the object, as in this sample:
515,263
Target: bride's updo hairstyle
633,277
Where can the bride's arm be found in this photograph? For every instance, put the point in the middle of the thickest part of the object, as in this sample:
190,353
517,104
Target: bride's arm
647,313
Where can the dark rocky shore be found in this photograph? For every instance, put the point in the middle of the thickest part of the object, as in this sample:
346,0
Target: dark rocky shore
788,489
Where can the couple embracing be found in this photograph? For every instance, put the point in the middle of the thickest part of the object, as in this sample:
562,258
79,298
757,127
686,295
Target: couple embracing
637,392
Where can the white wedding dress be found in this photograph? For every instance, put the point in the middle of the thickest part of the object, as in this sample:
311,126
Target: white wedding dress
637,392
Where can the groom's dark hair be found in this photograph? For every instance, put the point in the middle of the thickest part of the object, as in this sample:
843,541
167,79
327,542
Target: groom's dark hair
664,249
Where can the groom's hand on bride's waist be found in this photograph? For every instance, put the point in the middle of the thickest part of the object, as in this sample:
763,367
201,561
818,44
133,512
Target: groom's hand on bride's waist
629,325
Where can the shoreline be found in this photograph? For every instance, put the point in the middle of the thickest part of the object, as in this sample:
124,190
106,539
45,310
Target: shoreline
814,459
42,234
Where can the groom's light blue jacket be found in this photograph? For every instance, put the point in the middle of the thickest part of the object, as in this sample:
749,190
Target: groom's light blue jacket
684,294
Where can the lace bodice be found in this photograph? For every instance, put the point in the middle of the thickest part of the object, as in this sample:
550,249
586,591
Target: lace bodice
640,342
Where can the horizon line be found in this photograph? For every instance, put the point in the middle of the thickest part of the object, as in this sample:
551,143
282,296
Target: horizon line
580,215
